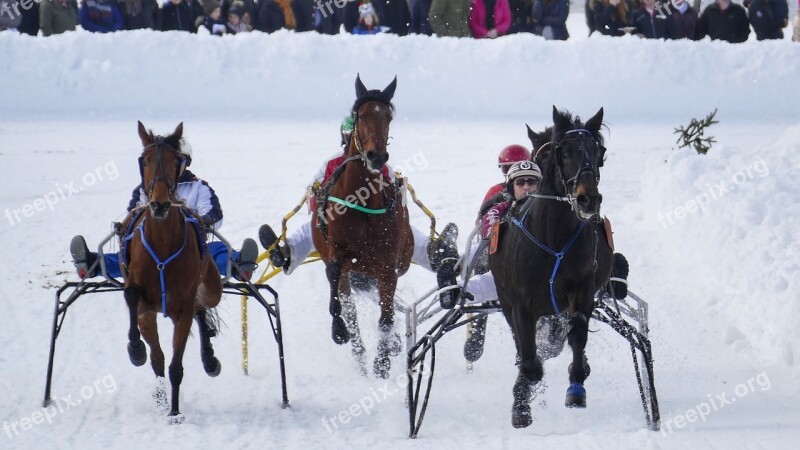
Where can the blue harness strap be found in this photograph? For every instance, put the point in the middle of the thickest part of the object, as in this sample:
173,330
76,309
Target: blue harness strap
160,265
519,223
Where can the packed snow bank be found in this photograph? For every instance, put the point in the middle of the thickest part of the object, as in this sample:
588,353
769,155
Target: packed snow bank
731,219
285,74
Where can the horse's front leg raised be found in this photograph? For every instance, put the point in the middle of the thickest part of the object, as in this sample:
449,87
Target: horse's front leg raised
530,366
389,343
136,350
338,328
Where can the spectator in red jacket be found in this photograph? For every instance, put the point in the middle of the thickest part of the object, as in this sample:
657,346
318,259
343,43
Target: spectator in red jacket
489,18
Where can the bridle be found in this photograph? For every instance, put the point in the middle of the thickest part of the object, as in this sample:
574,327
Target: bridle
159,145
359,143
588,165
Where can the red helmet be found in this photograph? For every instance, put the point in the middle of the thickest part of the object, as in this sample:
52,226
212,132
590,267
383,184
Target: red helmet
510,155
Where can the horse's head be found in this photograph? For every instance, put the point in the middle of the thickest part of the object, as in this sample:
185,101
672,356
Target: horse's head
571,161
372,111
160,166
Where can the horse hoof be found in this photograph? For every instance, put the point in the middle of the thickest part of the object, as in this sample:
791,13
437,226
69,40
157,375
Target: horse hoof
339,331
521,416
213,367
381,367
175,418
137,353
576,396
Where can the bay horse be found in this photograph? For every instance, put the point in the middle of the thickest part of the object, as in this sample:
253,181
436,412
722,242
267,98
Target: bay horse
169,271
553,256
362,225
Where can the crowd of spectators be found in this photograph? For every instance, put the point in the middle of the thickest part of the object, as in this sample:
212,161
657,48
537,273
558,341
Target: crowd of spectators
481,19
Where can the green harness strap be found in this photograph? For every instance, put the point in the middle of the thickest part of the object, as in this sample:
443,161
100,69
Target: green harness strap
356,207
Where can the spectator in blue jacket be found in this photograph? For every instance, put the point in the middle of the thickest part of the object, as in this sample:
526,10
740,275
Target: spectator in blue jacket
649,21
100,16
419,18
176,15
550,19
768,17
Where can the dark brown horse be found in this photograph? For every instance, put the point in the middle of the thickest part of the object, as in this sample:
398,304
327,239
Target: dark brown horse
554,256
365,226
167,272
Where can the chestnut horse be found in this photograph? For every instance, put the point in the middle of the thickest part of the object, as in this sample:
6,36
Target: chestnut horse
554,256
169,270
362,224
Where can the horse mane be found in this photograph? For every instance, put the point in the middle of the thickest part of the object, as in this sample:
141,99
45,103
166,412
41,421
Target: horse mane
567,122
373,95
171,140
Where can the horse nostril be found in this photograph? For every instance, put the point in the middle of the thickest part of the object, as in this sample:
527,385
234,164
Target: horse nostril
583,199
371,155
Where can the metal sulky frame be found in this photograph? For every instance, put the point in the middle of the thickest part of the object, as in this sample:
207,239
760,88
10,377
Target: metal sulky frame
245,289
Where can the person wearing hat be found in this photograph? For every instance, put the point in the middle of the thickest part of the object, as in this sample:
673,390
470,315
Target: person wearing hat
428,253
522,179
197,196
235,23
368,22
212,21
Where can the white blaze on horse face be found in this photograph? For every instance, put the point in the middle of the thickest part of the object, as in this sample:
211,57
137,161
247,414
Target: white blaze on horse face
377,108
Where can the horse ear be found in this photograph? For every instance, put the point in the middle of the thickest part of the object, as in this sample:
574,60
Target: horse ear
178,133
595,122
532,135
388,93
560,121
146,138
361,90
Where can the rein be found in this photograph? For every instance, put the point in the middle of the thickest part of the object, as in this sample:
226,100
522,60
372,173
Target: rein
161,265
519,223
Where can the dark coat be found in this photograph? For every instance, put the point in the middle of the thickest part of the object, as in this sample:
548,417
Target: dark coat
607,21
177,18
730,25
552,14
767,17
651,27
148,17
303,15
521,16
419,18
682,26
270,17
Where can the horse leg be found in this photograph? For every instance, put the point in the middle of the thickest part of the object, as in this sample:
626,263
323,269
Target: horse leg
147,323
351,320
577,331
530,366
389,342
338,328
136,350
205,324
181,333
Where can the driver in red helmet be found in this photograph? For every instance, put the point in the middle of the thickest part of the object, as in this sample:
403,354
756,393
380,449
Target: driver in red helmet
508,156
